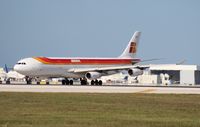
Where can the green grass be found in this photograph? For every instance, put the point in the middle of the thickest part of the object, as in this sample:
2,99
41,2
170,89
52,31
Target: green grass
98,110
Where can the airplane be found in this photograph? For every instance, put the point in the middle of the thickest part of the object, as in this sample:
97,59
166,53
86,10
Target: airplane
15,75
82,68
8,74
2,75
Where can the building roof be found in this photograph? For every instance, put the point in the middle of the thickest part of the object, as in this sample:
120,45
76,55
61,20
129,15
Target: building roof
173,67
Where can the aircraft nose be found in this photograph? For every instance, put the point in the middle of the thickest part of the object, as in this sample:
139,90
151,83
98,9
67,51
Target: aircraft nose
20,69
16,68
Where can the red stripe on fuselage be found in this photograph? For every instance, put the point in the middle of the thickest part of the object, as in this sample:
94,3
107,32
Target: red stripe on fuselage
85,61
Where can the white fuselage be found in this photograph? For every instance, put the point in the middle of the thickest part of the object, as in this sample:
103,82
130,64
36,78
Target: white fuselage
59,67
79,67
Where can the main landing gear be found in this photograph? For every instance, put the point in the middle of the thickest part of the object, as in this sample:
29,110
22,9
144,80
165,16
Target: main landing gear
67,82
83,81
96,82
93,82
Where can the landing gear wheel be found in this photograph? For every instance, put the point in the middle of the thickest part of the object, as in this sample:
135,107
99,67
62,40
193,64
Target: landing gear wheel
83,82
38,83
8,81
67,82
63,82
71,82
28,80
96,82
100,82
92,82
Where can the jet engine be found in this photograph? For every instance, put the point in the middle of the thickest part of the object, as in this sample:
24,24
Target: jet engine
93,75
135,72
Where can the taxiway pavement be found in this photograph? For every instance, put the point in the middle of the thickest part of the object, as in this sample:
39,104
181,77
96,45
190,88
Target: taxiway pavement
98,89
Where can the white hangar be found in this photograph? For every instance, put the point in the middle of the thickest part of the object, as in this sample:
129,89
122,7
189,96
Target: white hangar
176,74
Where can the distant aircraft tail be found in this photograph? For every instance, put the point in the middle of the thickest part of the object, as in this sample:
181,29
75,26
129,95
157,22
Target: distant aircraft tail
131,48
6,68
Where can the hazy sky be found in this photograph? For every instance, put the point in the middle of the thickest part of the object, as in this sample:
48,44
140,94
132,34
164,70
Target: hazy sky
99,28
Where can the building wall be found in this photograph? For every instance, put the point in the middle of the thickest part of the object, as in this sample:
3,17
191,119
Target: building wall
197,77
174,75
187,77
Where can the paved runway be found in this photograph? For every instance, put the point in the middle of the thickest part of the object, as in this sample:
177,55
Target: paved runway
98,89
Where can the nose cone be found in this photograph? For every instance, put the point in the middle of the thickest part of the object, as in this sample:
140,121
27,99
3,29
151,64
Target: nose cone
19,69
16,68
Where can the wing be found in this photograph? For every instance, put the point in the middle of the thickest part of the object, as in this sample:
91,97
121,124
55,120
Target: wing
105,69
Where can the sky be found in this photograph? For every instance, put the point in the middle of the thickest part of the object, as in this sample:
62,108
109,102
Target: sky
99,28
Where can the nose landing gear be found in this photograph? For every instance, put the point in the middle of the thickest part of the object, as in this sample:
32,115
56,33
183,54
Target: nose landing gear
28,80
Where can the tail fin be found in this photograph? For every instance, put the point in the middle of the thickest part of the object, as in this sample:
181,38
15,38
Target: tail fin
6,68
131,48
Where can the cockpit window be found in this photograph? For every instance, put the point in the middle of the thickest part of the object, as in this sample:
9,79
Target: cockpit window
21,63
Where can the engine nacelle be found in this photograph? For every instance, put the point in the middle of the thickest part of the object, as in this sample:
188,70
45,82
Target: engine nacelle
135,72
93,75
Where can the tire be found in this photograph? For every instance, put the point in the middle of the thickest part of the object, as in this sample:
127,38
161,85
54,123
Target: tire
92,82
83,82
38,83
28,82
63,82
96,82
100,82
8,82
67,82
71,82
